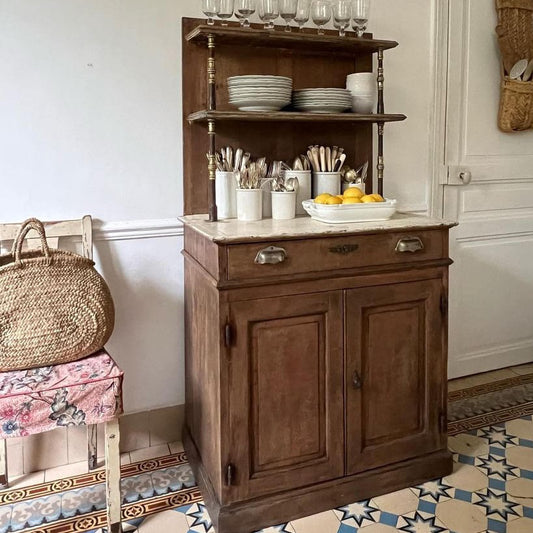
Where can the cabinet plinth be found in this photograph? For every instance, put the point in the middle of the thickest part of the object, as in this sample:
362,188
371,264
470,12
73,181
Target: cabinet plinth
317,381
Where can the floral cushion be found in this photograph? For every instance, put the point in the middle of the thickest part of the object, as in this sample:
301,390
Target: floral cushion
88,391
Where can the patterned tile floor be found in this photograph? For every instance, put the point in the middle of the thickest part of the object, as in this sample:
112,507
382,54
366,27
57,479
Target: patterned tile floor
490,490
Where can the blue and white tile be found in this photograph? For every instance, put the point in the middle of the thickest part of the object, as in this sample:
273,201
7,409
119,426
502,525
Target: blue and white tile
326,522
198,519
358,515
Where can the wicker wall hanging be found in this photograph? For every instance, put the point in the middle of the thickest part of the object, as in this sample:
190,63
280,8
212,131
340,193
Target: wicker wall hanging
515,37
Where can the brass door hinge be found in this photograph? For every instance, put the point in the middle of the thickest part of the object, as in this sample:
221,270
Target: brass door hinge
444,304
443,422
228,335
230,475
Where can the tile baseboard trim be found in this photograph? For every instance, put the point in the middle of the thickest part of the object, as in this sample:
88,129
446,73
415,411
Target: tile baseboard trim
68,446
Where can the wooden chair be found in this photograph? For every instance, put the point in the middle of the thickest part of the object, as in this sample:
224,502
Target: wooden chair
26,384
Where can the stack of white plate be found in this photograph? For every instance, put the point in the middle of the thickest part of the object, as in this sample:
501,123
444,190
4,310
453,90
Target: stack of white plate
327,100
259,93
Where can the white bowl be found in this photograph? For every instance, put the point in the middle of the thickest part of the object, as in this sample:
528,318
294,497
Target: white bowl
364,104
361,77
347,213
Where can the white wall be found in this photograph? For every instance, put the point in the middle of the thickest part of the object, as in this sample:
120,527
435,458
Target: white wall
90,122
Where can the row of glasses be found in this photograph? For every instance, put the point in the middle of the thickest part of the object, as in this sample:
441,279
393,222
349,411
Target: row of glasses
343,12
298,10
224,9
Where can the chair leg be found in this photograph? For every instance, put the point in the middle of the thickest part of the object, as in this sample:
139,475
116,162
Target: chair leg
92,450
3,464
112,467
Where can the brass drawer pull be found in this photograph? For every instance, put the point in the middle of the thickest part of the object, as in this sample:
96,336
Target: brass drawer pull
270,256
344,249
412,245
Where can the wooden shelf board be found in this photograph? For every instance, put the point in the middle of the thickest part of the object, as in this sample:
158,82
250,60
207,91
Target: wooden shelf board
290,116
308,40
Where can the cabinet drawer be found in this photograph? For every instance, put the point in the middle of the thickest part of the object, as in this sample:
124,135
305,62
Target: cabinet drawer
279,258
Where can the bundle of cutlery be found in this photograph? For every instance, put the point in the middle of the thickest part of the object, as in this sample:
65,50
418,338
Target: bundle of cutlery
229,160
325,158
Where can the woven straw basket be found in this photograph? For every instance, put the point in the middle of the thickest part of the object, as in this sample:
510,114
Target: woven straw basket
516,105
54,306
515,37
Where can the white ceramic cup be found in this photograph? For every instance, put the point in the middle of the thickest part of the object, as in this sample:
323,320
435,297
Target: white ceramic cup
304,187
267,200
283,205
329,182
249,204
226,193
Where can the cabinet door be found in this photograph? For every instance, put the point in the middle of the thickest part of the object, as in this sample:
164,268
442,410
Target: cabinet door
395,373
285,393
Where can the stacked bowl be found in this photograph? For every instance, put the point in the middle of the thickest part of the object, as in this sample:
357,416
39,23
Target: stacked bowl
363,89
322,100
259,92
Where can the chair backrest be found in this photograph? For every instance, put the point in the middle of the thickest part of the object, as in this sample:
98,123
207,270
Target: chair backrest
54,231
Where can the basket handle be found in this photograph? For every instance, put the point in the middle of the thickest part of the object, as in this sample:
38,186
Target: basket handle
25,228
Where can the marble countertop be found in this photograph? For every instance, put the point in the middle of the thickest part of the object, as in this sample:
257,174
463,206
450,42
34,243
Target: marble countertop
232,231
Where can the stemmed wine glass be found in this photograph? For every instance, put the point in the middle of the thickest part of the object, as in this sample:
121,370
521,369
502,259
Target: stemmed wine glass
210,9
321,13
225,11
268,12
243,10
302,13
287,11
341,15
360,13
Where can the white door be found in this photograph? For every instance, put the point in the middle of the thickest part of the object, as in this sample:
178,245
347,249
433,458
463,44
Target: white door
491,283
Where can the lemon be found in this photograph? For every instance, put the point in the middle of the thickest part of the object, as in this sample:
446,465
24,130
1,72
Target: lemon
340,196
352,201
333,200
353,192
322,198
378,197
368,199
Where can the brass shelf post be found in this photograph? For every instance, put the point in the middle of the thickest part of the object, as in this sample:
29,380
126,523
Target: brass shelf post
211,106
381,125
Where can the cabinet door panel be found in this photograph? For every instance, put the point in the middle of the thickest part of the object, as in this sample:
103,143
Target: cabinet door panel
286,392
394,340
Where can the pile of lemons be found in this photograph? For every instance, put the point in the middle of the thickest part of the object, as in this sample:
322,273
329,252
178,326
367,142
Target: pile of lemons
353,195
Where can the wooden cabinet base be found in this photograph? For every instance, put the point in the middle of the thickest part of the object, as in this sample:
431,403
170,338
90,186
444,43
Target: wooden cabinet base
252,515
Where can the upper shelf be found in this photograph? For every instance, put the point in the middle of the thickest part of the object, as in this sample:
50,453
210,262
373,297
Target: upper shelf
308,40
290,116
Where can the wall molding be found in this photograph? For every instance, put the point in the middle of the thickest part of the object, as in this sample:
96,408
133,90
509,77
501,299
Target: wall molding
437,121
137,229
515,353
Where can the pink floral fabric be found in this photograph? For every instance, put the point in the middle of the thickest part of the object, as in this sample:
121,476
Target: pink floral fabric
88,391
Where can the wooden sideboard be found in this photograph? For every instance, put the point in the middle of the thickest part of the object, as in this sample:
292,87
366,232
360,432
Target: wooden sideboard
316,363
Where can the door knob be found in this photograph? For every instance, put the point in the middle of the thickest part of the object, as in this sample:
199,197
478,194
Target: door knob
465,176
356,380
